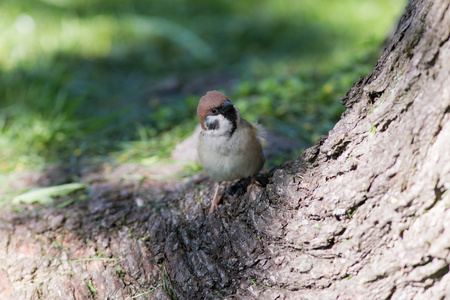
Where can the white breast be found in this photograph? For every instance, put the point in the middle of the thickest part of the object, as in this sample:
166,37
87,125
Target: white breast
227,158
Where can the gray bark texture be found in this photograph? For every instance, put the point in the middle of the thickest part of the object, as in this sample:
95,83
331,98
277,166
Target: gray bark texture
363,214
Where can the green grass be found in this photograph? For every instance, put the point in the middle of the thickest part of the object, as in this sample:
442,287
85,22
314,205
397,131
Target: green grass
77,76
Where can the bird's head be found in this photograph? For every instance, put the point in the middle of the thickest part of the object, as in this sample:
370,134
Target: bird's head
217,115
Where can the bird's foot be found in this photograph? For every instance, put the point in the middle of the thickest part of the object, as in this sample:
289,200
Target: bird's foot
216,200
250,186
213,207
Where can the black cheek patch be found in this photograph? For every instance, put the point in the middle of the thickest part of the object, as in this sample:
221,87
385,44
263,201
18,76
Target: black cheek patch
212,125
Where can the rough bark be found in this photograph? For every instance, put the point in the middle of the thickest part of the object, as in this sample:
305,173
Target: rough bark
363,214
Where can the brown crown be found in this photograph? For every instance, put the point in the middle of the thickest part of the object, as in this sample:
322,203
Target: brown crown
212,99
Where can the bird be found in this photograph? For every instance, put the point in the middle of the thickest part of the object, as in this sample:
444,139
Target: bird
229,147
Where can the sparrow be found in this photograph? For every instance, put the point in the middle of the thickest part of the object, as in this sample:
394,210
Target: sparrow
229,147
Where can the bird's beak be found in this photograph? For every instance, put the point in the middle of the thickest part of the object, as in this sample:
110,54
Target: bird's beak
227,105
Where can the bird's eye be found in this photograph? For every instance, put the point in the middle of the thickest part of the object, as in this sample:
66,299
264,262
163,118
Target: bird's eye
214,110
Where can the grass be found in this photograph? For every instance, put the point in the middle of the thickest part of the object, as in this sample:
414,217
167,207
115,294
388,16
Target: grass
167,284
120,80
145,293
92,288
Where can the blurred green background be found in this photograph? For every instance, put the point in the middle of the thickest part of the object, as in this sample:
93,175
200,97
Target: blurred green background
120,80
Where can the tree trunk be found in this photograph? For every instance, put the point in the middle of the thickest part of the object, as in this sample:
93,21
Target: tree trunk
363,214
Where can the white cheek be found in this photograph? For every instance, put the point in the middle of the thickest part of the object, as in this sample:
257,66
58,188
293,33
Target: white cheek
225,125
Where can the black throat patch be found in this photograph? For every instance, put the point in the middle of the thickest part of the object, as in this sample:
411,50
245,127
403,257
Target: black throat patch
231,116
